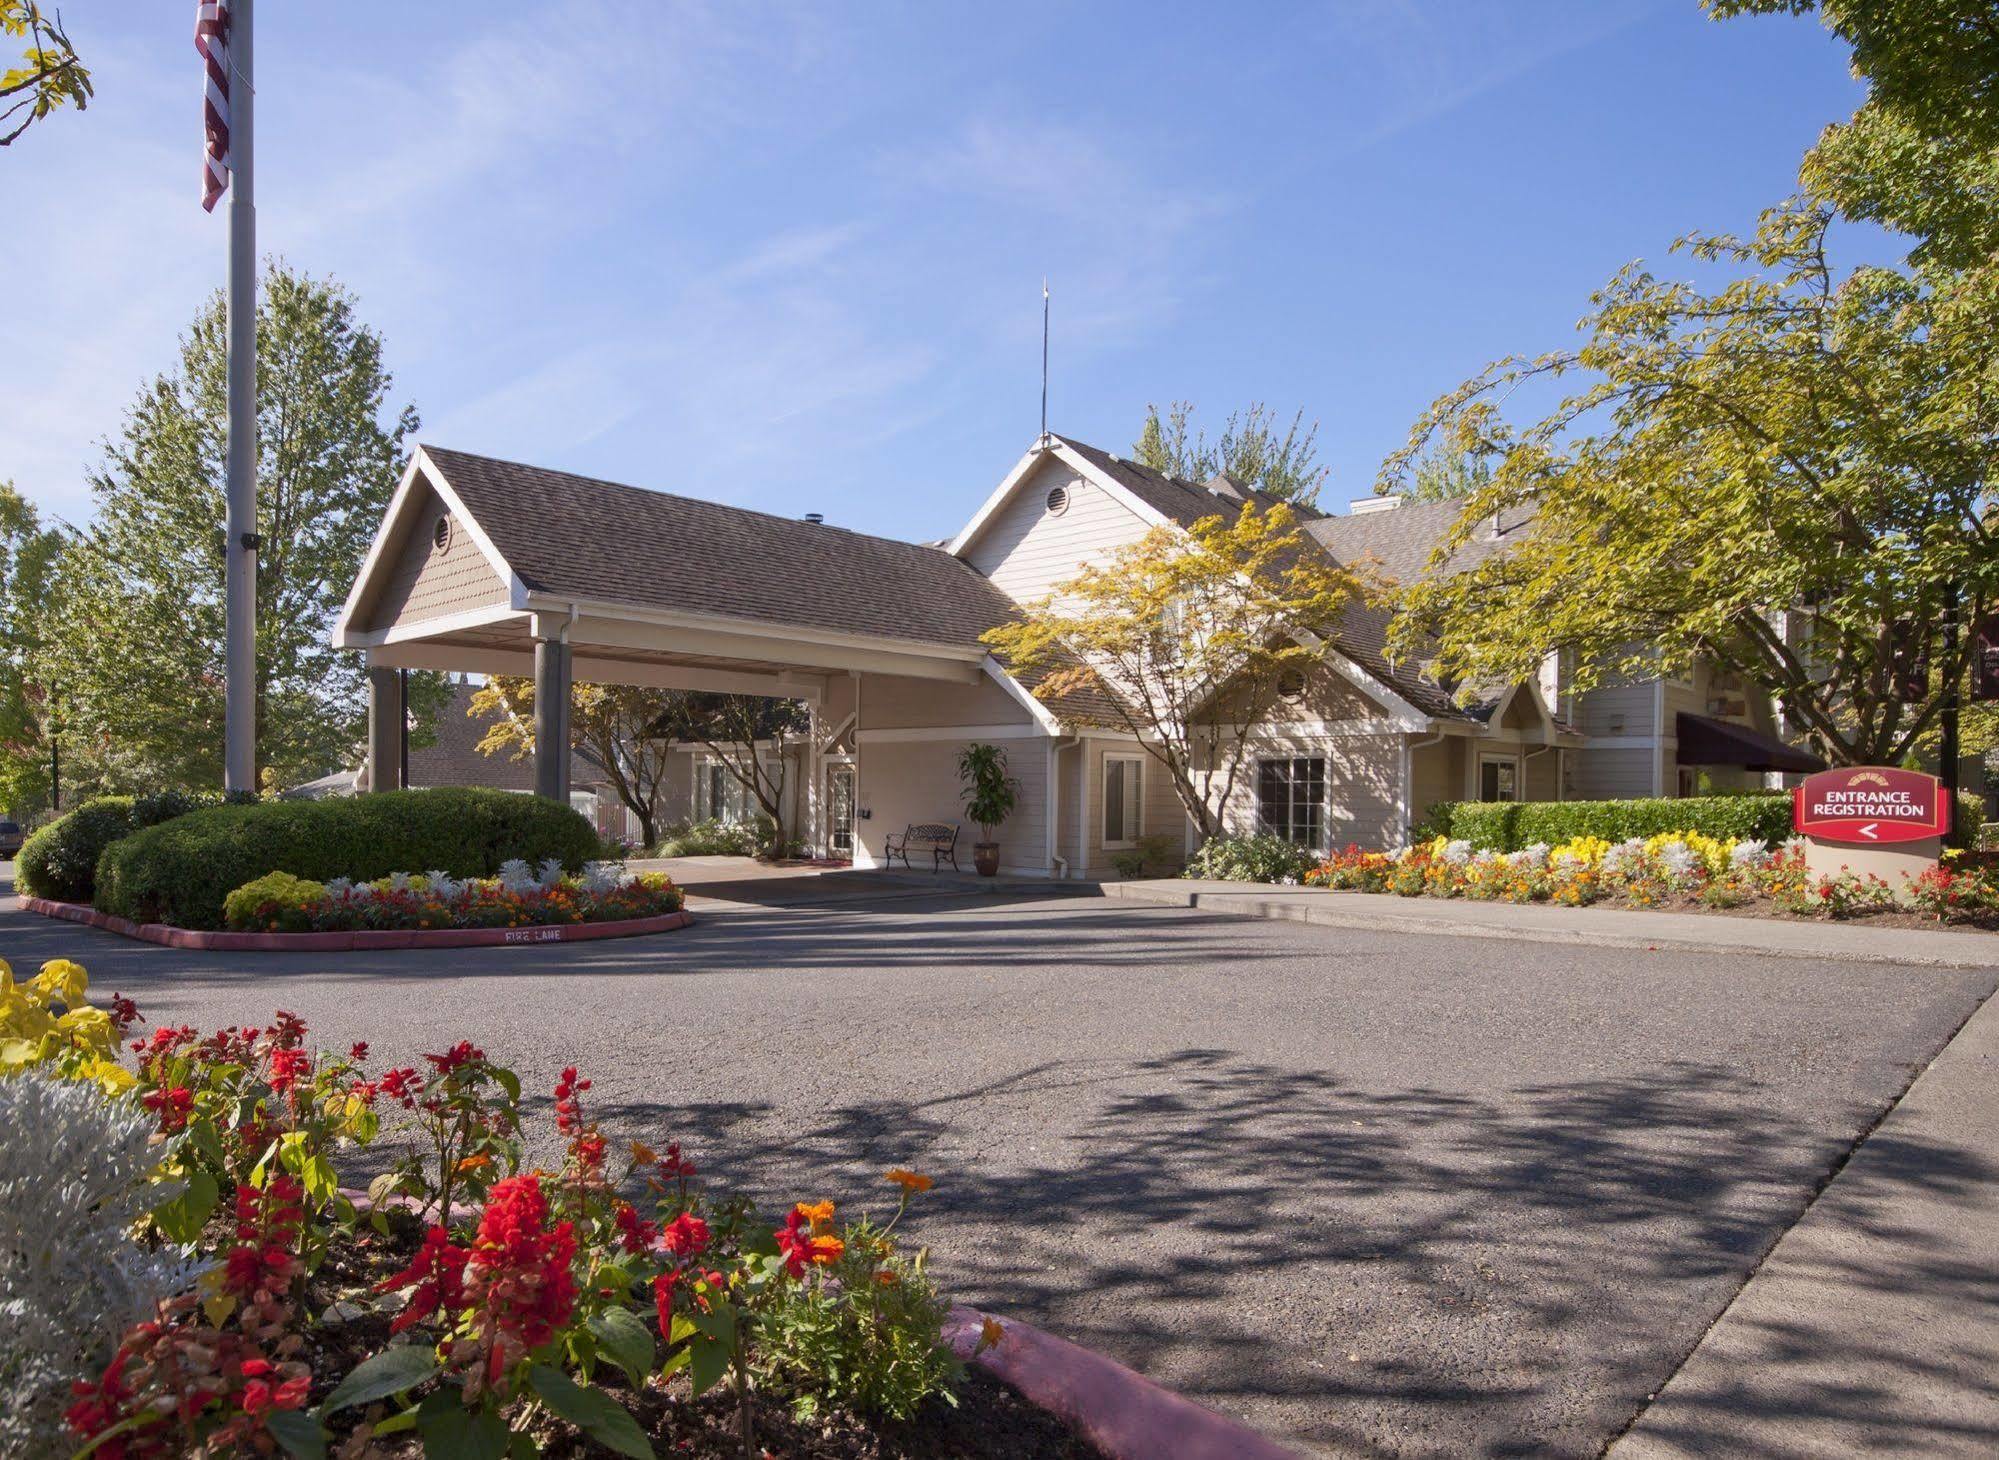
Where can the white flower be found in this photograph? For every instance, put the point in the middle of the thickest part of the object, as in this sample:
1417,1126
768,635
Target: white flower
1533,858
1750,854
1457,853
73,1183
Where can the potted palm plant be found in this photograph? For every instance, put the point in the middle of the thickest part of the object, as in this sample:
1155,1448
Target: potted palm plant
990,796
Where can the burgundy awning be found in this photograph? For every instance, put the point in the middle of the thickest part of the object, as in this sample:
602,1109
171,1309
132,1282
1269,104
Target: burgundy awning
1720,742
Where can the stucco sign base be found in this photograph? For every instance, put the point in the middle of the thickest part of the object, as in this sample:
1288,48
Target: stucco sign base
1892,864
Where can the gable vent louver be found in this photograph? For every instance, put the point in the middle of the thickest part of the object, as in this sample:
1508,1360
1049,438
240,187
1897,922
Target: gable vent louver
1058,501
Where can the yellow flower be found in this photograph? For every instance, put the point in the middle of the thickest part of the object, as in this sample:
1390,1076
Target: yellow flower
818,1213
65,980
910,1181
990,1334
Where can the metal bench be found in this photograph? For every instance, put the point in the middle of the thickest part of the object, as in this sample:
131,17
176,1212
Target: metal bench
935,837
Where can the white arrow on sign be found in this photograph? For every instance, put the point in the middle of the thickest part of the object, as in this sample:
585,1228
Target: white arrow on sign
1868,830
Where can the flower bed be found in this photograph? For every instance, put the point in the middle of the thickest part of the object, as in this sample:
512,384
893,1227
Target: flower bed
1684,870
519,897
615,1305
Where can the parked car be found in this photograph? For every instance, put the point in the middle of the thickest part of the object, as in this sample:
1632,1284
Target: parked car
11,837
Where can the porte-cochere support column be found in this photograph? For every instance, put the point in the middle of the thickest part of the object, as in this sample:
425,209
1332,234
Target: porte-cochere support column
551,719
385,728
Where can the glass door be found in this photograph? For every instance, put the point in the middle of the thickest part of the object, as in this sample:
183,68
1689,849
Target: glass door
840,810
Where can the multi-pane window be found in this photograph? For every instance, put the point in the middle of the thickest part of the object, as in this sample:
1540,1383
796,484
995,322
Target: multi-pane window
718,795
1291,798
1122,799
1498,778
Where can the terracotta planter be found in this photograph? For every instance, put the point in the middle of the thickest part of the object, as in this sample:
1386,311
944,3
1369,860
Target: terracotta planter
985,858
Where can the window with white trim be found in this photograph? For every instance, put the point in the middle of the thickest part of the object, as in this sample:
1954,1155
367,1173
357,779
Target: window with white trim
718,795
1124,799
1291,798
1498,778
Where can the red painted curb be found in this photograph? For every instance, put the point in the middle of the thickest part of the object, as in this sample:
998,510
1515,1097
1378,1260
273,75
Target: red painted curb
1123,1414
362,940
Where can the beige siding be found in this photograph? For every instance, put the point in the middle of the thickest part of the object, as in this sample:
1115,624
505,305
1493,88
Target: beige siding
907,781
1160,813
429,584
1609,774
890,702
1541,775
1027,551
1624,708
1363,788
1437,773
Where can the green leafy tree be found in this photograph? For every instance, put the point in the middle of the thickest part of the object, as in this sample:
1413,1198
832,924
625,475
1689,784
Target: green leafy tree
1787,474
49,75
1922,153
29,553
135,638
1254,448
610,727
1443,475
1177,624
750,735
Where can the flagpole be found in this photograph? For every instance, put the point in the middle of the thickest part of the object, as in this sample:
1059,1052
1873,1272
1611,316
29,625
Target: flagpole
240,717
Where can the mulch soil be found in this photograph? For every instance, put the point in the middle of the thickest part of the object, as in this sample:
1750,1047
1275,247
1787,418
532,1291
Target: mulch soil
990,1421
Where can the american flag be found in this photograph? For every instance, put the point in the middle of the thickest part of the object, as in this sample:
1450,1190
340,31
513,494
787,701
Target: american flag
211,39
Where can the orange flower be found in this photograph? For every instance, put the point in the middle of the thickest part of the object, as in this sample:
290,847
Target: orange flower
886,1278
644,1155
472,1163
910,1181
818,1213
827,1250
990,1333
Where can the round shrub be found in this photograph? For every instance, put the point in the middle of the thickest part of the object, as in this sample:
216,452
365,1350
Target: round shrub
182,871
275,902
1260,858
60,860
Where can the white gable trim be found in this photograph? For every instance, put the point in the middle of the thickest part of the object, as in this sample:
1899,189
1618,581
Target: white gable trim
344,635
1045,447
1044,718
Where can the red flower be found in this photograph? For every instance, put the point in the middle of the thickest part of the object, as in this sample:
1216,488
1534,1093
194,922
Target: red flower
635,1233
438,1274
662,1304
401,1085
171,1106
288,1067
801,1248
519,1273
461,1053
267,1228
287,1030
568,1107
686,1235
359,1053
124,1013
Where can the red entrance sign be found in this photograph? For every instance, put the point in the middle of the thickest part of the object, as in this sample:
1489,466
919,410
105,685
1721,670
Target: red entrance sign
1870,806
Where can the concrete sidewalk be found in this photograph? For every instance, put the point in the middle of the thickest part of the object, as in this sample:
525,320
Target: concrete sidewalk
1538,922
1872,1327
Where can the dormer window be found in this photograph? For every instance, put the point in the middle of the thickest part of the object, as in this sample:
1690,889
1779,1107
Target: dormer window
1058,501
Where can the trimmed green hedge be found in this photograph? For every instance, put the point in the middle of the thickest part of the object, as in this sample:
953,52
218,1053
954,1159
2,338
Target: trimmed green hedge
181,872
60,860
1507,826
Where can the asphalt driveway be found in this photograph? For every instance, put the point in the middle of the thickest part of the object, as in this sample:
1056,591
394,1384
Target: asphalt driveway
1374,1193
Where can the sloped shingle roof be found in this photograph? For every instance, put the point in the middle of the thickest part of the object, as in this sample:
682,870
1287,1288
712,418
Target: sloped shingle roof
566,534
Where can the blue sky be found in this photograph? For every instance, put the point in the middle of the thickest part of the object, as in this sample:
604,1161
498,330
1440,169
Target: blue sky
791,256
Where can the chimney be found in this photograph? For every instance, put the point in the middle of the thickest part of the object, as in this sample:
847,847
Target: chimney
815,518
1361,506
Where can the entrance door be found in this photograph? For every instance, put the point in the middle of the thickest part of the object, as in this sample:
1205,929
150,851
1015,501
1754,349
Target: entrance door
840,810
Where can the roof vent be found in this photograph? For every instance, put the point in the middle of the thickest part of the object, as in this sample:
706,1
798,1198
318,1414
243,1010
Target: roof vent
440,534
1058,500
815,518
1361,506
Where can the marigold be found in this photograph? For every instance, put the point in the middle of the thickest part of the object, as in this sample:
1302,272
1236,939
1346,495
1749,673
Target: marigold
910,1181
